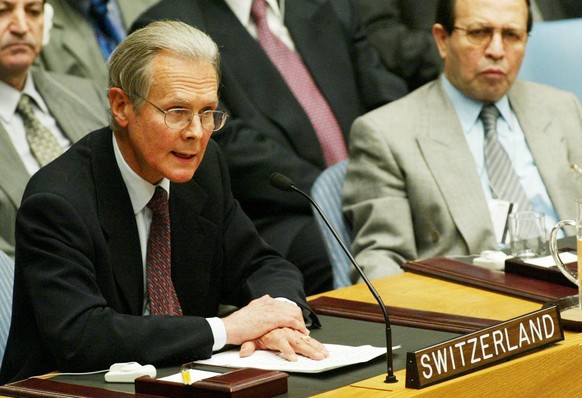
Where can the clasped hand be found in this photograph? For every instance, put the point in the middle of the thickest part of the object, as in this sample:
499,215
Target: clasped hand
269,324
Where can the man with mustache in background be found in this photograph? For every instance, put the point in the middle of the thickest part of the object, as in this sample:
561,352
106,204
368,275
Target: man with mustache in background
419,182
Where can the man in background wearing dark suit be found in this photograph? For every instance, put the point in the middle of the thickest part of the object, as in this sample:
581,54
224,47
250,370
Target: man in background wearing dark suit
400,30
271,128
551,10
128,243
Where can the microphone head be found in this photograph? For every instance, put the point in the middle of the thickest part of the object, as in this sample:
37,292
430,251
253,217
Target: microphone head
281,182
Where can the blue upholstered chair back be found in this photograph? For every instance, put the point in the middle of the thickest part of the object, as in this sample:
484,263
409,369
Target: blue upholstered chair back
554,55
327,192
6,285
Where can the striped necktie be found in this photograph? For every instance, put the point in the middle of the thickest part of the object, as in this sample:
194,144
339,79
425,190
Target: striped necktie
303,87
163,299
43,144
502,177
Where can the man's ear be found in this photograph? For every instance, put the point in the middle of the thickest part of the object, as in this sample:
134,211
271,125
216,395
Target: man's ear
119,104
440,37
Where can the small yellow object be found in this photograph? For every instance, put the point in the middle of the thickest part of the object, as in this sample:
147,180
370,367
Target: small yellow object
186,376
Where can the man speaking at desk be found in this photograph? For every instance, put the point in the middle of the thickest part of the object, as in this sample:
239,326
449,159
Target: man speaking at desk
128,242
425,170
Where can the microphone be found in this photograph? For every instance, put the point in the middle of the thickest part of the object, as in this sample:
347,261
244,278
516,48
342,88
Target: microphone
284,183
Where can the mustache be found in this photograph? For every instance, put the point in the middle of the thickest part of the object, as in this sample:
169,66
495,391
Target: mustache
23,41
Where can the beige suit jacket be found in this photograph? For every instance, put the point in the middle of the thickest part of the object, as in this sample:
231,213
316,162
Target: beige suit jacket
78,107
73,47
412,189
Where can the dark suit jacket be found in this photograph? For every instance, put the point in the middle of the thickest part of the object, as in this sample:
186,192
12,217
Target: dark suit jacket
560,9
79,275
268,130
400,30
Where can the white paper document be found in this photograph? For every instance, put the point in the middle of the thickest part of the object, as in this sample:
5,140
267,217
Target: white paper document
339,355
499,210
548,261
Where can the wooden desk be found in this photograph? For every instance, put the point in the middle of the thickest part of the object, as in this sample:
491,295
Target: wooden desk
549,372
419,292
335,331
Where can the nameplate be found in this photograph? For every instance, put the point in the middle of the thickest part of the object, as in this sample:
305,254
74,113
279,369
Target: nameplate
483,348
237,383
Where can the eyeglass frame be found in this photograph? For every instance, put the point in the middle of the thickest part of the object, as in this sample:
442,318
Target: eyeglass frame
208,111
521,41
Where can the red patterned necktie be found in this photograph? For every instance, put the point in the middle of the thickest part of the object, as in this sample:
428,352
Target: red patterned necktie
303,87
162,295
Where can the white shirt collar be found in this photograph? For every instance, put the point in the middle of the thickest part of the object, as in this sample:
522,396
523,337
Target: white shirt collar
10,97
468,109
242,9
140,190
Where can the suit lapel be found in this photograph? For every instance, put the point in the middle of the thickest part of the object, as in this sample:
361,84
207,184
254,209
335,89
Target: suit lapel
76,38
251,72
547,144
13,173
118,223
193,246
193,236
63,104
449,158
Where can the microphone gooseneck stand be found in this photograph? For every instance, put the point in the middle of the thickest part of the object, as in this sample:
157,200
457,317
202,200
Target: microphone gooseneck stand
284,183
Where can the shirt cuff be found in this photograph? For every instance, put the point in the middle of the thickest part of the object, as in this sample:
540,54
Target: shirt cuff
286,300
218,331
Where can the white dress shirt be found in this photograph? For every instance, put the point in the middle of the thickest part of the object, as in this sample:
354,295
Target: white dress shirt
275,18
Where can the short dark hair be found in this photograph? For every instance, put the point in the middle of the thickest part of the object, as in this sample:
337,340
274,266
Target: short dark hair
445,15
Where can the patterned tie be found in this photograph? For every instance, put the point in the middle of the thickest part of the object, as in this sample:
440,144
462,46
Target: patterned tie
502,177
108,34
43,145
162,295
303,87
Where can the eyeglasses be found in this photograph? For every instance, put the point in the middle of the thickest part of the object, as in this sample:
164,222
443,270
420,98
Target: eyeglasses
481,35
179,118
